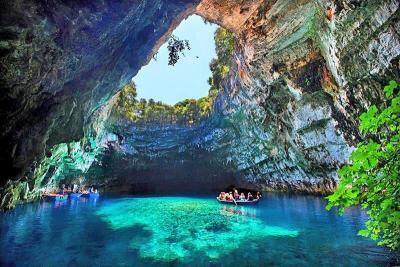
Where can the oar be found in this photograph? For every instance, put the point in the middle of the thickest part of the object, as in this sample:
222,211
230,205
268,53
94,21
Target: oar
234,201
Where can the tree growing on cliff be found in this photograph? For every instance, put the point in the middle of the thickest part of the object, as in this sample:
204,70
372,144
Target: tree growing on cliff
220,65
127,101
175,48
372,180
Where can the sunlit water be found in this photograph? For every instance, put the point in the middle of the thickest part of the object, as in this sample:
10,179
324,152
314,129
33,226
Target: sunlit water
283,230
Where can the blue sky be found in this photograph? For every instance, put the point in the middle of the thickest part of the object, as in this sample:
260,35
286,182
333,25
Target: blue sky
188,78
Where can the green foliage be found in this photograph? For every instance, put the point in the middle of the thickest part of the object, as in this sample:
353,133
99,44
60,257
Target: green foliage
220,66
225,45
127,101
187,112
372,180
176,47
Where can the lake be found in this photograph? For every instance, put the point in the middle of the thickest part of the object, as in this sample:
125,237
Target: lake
282,230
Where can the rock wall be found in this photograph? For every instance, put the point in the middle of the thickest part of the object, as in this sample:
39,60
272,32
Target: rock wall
298,83
162,159
286,118
62,60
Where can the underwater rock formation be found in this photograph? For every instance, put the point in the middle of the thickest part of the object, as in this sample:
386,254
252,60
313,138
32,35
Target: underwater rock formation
286,118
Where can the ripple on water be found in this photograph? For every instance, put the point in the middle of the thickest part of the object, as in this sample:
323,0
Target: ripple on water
179,228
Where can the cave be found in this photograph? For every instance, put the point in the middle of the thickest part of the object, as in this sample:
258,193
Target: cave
283,116
284,119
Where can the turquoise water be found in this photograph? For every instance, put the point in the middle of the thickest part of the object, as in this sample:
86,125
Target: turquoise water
283,230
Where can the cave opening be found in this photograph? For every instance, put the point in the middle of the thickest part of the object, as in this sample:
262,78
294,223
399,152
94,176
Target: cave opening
188,77
163,114
155,135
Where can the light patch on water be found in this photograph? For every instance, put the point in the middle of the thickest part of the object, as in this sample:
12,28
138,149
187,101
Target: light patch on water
180,227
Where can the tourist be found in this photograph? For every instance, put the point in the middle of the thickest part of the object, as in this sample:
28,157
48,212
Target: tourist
235,194
242,197
258,195
250,197
222,196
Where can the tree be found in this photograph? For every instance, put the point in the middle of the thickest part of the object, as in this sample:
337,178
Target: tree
372,180
141,106
225,45
176,47
151,102
127,100
220,66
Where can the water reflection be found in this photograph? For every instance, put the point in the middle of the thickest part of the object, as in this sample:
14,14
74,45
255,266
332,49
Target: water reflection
238,210
59,203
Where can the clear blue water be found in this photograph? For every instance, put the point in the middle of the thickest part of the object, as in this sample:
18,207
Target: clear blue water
283,230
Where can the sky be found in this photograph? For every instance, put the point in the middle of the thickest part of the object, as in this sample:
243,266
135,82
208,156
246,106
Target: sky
188,78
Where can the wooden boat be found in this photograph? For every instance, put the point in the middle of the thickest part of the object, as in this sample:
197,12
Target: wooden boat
239,202
56,197
90,195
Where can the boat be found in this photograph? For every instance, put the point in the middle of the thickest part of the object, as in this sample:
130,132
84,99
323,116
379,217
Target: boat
56,197
239,202
90,195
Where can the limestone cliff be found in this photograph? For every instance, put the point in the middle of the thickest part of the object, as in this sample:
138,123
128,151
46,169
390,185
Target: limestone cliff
299,81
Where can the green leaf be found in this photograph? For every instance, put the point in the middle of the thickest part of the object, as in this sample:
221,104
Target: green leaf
386,203
388,89
363,232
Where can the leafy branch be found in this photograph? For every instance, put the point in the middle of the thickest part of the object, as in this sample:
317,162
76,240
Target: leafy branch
175,48
372,180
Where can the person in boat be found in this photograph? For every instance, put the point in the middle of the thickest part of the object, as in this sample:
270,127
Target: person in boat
62,189
82,190
229,197
235,194
221,196
250,197
258,195
242,197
